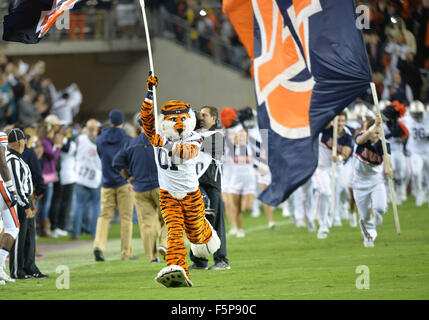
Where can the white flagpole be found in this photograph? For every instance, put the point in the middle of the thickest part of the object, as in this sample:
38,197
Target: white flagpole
149,50
333,166
386,161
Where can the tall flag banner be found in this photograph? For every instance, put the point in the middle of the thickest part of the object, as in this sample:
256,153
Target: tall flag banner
309,63
29,20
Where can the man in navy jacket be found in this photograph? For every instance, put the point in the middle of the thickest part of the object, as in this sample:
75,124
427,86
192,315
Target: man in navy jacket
115,190
136,162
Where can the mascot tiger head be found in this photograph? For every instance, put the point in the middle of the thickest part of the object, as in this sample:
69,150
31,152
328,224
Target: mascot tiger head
177,120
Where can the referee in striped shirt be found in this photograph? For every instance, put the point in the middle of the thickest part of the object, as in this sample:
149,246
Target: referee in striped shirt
22,256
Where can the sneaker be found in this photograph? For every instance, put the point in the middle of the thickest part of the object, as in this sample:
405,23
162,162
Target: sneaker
232,232
60,232
222,265
40,275
154,260
322,233
173,276
353,220
271,225
98,254
337,223
4,276
162,251
368,243
197,267
241,233
300,223
2,283
23,276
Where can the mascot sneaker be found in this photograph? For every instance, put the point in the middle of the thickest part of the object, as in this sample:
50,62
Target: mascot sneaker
173,276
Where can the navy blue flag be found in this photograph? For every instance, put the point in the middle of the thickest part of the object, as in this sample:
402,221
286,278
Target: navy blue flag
29,20
309,63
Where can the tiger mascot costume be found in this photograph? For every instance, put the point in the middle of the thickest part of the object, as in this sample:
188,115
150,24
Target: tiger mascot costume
181,203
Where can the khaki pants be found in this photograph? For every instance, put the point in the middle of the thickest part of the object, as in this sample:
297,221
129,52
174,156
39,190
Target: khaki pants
110,197
152,226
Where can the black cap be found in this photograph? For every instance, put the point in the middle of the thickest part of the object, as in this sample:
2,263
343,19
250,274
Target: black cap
15,135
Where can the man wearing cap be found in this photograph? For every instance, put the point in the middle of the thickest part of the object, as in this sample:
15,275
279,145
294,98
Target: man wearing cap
115,190
22,256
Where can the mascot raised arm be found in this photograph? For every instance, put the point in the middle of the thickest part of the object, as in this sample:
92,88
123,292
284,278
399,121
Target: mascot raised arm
177,147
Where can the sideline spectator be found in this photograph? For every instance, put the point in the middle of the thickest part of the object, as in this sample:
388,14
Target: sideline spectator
52,139
88,180
136,163
115,190
63,188
398,90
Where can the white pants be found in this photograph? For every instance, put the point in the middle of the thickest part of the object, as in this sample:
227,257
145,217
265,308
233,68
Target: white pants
401,174
8,215
342,194
322,184
372,196
303,202
418,165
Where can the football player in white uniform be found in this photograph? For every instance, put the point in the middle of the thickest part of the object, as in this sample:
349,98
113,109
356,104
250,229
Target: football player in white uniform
322,175
368,180
417,122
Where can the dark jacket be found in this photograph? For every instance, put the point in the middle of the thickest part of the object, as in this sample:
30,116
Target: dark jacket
138,158
109,142
212,177
30,158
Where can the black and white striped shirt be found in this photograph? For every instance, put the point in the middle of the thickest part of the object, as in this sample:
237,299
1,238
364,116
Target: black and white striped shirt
21,176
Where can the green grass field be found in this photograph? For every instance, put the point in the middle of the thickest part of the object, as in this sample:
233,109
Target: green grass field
284,263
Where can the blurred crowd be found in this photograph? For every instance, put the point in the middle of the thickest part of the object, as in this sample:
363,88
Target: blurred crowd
397,43
206,26
30,101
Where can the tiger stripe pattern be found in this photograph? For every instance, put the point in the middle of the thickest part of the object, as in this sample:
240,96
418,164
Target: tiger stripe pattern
187,214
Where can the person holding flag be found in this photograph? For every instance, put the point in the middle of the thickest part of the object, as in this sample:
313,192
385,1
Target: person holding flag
368,181
323,175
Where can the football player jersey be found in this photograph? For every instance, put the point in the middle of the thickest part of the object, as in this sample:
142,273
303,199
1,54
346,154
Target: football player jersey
175,174
368,160
418,140
326,143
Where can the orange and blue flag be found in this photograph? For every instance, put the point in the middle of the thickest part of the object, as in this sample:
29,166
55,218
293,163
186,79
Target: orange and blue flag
309,63
29,20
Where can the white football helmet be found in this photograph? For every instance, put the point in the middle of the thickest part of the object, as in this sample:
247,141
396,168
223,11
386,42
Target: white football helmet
383,104
417,109
359,110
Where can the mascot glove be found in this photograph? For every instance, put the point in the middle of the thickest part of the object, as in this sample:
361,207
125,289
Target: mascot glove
152,81
158,140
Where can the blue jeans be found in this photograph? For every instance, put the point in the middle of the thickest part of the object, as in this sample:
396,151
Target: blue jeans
45,202
87,203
